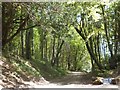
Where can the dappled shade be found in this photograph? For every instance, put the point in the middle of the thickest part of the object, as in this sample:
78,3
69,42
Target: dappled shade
66,43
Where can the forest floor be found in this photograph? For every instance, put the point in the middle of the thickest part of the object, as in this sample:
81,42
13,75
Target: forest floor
77,80
72,80
9,79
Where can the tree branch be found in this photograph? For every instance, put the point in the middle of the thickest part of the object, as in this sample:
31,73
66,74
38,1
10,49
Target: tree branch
79,31
17,32
31,27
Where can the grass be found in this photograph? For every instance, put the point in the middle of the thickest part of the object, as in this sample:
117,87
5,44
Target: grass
47,71
32,68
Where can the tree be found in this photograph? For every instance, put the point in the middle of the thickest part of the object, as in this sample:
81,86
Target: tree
49,32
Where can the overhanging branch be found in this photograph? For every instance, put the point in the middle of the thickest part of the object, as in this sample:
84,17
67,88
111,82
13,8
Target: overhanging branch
31,27
80,33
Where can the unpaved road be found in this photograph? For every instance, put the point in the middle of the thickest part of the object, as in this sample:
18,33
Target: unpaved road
72,80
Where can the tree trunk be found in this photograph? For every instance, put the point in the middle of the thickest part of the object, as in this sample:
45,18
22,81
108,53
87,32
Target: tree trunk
53,52
55,58
27,44
111,61
57,54
68,61
22,44
45,46
90,50
75,59
93,56
41,44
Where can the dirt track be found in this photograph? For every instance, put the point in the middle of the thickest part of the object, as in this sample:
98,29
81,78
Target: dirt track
74,80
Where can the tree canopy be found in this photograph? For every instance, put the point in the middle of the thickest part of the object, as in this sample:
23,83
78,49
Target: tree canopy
78,36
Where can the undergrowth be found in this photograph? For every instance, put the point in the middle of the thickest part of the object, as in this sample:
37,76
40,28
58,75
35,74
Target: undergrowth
32,68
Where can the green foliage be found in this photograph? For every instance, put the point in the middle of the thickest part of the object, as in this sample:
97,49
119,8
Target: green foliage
61,71
53,23
24,66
